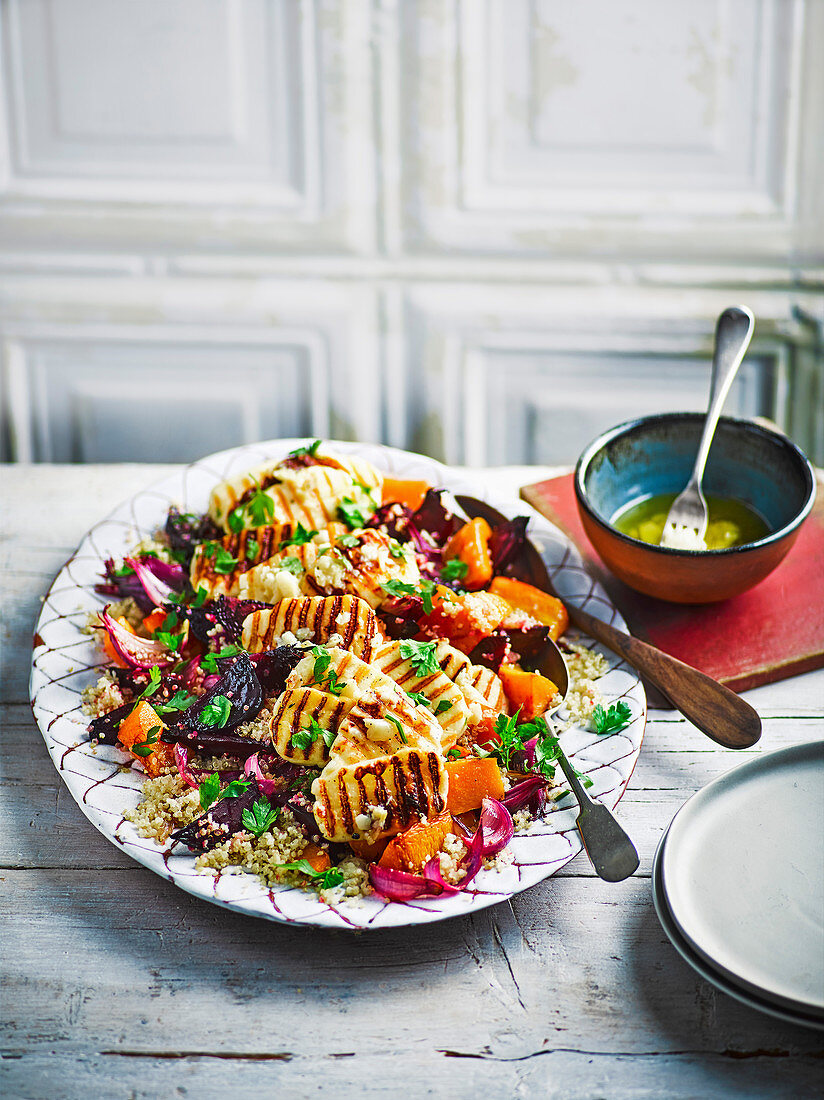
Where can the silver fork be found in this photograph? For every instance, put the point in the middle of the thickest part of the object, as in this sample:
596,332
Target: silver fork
686,524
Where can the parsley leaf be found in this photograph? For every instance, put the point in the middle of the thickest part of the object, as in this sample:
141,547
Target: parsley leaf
309,451
261,508
291,565
150,688
418,699
421,655
454,754
443,706
424,591
261,817
305,738
614,718
201,597
396,550
348,540
509,736
179,701
171,641
252,549
209,790
333,876
236,787
322,662
454,570
208,661
235,519
299,538
222,560
146,748
216,712
333,685
351,513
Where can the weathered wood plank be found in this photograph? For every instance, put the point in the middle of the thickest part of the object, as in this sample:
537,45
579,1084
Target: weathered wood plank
550,1075
94,972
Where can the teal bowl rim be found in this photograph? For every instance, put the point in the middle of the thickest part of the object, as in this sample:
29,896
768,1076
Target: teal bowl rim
629,426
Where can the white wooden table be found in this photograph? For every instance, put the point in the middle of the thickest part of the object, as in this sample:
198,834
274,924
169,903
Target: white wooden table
116,984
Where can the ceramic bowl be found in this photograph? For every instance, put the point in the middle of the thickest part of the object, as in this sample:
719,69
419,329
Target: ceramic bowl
655,455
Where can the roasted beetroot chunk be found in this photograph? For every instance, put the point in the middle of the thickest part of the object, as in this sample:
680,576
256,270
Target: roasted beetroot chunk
223,819
273,667
239,684
185,531
220,622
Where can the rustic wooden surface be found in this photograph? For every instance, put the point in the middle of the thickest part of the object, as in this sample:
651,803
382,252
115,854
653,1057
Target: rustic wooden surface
117,984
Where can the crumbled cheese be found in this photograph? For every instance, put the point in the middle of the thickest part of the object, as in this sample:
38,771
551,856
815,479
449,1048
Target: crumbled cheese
330,571
268,583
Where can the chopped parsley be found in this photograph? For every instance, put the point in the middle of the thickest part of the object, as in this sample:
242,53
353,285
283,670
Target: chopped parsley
146,748
181,700
348,540
424,591
351,513
209,660
332,876
308,452
260,508
454,570
510,737
260,818
421,655
171,641
216,712
396,550
614,718
454,754
443,706
304,738
322,662
252,549
333,684
418,699
209,790
300,537
222,560
235,519
151,687
236,787
201,596
291,565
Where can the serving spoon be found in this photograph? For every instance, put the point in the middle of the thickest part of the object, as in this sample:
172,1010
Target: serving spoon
716,711
685,527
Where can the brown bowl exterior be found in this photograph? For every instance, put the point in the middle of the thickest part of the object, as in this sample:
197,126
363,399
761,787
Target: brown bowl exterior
683,579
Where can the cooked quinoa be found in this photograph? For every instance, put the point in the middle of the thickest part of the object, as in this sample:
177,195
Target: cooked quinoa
101,697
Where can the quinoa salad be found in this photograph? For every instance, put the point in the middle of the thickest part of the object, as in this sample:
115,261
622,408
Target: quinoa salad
329,679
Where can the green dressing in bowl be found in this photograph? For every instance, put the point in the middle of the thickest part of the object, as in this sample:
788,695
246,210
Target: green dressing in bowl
731,522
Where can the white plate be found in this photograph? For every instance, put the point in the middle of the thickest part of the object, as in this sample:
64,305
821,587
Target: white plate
706,971
66,660
742,874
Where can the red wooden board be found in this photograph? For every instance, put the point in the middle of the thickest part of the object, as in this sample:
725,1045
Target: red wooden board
773,631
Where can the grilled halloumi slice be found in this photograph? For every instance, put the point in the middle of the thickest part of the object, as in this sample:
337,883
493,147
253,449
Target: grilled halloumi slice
306,493
342,621
379,797
479,685
212,565
360,563
380,716
443,698
296,709
374,722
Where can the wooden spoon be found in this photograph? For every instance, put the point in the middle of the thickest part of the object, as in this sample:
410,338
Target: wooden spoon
716,711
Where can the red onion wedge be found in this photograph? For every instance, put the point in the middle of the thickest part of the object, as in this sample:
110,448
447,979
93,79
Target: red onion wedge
496,827
252,767
182,761
136,651
156,589
400,885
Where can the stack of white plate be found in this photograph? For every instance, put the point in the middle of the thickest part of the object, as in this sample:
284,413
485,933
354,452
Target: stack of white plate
738,883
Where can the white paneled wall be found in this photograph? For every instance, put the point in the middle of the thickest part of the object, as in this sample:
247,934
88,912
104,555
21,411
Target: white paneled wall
486,229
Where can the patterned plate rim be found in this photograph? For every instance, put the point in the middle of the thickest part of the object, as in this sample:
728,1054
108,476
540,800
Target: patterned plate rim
65,660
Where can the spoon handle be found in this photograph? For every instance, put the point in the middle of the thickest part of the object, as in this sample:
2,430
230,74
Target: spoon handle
733,333
722,715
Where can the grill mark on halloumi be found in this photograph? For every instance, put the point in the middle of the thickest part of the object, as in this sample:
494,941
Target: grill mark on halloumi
309,494
265,543
409,785
436,687
324,616
479,685
294,709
